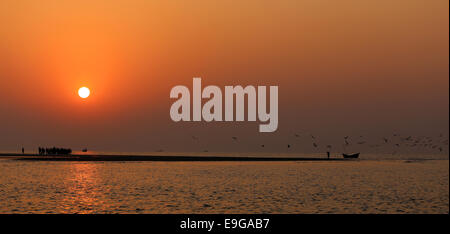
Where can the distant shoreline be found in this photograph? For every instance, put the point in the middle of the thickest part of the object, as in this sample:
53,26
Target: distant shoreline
96,157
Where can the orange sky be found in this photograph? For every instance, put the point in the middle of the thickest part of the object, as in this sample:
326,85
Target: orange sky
342,67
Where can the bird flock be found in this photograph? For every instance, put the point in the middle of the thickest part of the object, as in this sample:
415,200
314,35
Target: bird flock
395,142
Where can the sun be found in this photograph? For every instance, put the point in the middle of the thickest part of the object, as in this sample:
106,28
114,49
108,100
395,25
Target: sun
84,92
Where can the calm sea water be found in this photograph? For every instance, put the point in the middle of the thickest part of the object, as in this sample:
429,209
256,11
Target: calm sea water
365,186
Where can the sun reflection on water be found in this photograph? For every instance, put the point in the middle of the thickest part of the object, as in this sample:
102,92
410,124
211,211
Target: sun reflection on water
82,189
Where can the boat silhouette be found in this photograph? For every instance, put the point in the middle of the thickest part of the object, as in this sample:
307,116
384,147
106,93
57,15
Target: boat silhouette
351,155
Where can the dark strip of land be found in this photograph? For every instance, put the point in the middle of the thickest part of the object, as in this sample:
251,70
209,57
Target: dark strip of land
35,157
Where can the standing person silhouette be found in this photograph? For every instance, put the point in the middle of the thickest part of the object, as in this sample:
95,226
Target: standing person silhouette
328,154
23,150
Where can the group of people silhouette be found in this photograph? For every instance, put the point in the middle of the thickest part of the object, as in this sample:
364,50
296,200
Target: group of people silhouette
54,151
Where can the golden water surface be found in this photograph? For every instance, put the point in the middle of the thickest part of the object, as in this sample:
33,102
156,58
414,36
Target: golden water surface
366,186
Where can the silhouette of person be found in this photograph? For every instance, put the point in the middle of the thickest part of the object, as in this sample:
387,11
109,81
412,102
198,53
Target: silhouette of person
23,150
328,154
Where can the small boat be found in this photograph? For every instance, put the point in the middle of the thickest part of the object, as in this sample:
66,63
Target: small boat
84,150
351,155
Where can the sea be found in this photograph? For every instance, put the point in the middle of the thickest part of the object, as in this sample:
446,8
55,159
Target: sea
374,184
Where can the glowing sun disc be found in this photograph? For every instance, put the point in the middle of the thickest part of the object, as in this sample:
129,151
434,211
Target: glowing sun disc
84,92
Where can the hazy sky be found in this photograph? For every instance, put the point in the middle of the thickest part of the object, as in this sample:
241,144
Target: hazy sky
349,67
